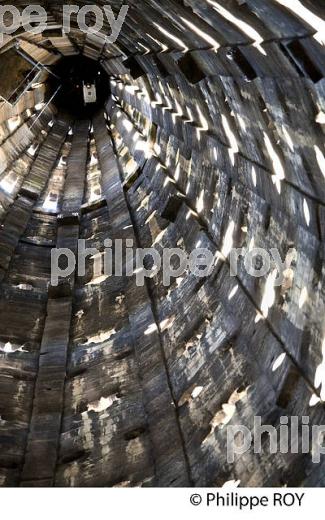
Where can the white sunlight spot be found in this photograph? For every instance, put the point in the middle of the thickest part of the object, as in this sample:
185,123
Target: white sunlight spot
211,41
200,202
314,400
102,404
127,125
157,149
98,280
144,203
303,297
241,122
179,281
39,106
50,203
144,47
130,89
278,362
101,337
232,157
178,41
254,176
320,118
120,299
224,416
177,172
218,257
320,159
135,137
8,185
277,165
151,329
231,138
231,484
196,392
228,240
8,348
233,292
144,146
190,115
93,160
307,16
177,156
169,180
151,217
32,150
161,86
288,138
62,162
268,297
243,26
320,374
228,409
306,212
190,214
24,287
204,124
13,123
159,237
166,324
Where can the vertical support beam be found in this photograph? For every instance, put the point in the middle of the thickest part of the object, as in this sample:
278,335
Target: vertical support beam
42,448
44,437
171,466
19,214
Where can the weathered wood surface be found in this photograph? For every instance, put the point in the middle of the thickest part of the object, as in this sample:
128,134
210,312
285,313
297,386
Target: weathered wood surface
216,122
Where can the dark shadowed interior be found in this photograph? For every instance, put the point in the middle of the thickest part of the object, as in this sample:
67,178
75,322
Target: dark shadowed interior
70,74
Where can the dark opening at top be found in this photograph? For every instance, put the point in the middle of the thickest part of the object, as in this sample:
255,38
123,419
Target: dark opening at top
84,86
